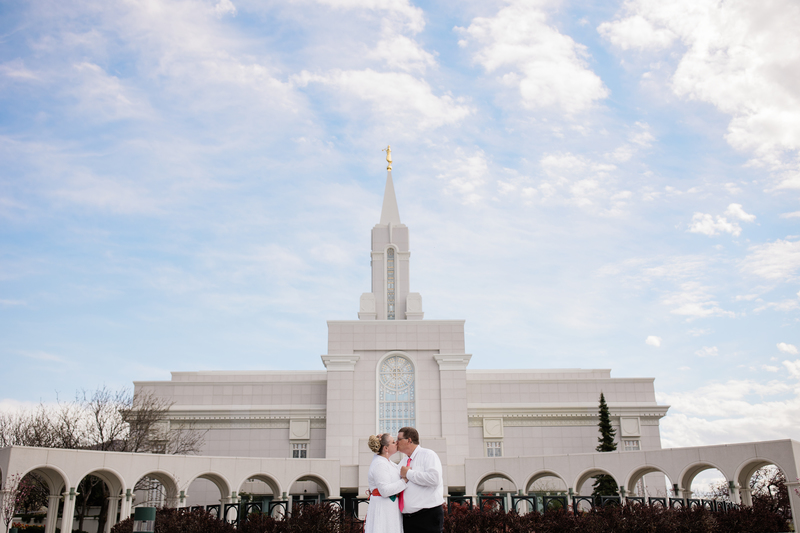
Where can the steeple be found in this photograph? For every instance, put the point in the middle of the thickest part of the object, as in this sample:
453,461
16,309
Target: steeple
390,298
389,214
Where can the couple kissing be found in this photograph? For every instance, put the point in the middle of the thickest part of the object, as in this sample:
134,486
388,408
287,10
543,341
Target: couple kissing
405,497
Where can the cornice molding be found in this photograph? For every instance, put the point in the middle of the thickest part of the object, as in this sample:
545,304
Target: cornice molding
555,412
453,361
340,363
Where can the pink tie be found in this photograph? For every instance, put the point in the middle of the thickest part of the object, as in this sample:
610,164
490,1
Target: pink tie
400,496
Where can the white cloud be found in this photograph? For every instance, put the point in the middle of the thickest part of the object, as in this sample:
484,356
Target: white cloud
410,15
400,52
578,180
396,97
652,340
782,305
795,214
224,7
708,225
793,367
777,260
636,32
9,406
107,97
17,70
770,368
733,411
112,194
741,57
787,348
694,301
547,67
641,138
465,175
707,351
736,211
42,356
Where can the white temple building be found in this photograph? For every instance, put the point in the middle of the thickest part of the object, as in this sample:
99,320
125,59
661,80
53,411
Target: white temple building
392,368
292,435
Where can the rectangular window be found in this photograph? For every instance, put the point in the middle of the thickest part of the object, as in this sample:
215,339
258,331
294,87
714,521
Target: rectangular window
300,451
494,448
631,445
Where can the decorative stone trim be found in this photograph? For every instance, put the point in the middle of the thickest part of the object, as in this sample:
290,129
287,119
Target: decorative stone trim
453,361
299,429
492,428
340,363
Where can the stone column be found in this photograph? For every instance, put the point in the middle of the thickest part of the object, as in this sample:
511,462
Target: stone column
3,495
68,514
171,502
223,501
746,496
52,513
734,490
125,505
453,391
340,441
794,499
113,506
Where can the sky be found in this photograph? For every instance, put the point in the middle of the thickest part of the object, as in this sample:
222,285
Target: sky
190,185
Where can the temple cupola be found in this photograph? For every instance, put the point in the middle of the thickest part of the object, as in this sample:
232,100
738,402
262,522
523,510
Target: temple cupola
390,298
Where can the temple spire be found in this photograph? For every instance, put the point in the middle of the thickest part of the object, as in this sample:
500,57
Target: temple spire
389,213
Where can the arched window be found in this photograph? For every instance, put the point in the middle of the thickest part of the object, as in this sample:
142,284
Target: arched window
396,394
390,284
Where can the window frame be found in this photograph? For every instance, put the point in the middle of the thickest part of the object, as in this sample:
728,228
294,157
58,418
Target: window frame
413,401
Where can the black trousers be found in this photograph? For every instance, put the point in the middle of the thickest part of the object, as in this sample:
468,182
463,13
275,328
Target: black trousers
424,521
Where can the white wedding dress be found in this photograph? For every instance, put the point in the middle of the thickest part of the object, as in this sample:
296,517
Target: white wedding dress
383,514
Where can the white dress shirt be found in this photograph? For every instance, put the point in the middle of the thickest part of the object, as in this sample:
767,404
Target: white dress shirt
425,484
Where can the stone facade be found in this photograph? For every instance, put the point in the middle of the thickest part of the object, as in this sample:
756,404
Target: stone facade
461,413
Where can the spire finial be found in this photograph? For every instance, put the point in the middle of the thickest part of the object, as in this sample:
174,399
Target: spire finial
388,151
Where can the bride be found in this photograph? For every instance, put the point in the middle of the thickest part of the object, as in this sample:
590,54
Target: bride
385,487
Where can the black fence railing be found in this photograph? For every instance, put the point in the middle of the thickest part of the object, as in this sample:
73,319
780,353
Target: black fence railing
235,513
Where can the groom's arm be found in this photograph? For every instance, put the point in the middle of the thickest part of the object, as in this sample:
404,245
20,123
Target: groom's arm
427,471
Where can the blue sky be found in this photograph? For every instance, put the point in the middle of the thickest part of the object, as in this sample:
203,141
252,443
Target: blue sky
190,185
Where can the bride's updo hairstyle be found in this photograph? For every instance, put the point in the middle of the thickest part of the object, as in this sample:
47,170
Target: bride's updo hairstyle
377,442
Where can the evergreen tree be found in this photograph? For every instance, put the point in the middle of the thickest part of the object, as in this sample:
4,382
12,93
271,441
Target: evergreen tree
604,485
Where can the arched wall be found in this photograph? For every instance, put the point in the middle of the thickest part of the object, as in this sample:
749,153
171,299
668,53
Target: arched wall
494,475
273,483
587,474
746,470
316,478
217,479
55,478
533,478
165,478
110,477
691,471
634,476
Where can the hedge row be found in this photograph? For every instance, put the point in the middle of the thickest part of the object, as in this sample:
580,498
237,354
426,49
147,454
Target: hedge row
626,519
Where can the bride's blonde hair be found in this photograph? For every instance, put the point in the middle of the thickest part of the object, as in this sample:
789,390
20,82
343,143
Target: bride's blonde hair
377,442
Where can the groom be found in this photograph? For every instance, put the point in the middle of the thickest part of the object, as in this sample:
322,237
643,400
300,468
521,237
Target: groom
422,499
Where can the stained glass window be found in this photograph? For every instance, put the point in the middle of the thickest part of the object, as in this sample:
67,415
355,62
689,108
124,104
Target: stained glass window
396,395
390,284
